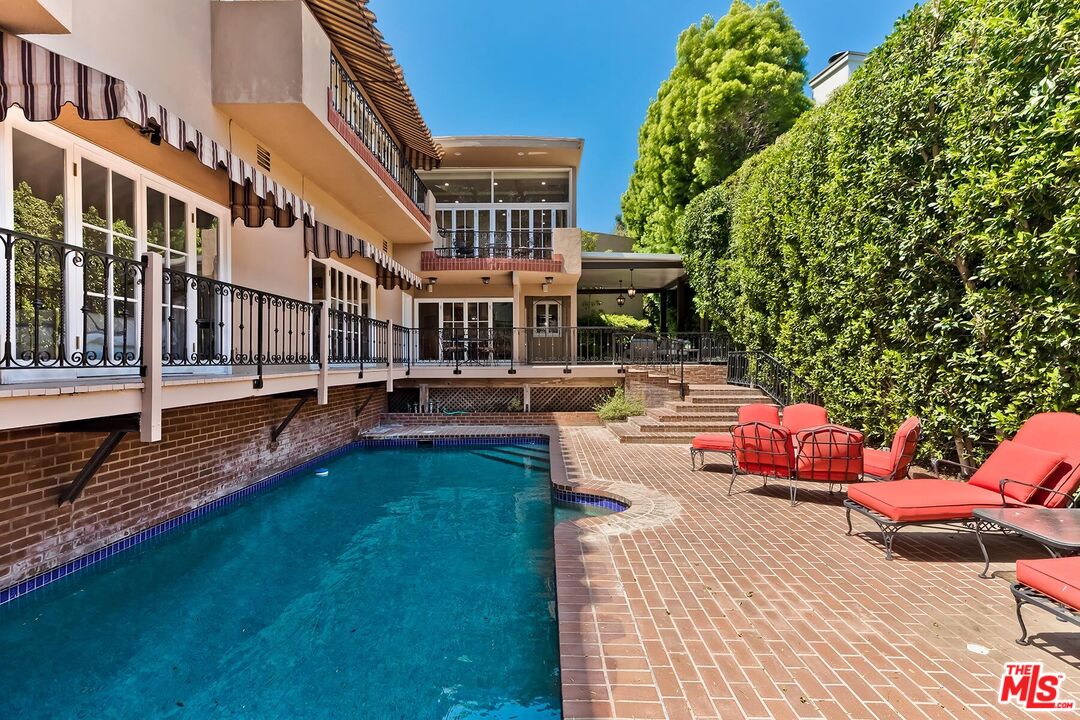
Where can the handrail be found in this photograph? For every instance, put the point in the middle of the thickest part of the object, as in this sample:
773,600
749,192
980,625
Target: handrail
758,369
358,114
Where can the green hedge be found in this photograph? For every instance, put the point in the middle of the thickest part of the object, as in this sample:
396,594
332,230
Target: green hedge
912,246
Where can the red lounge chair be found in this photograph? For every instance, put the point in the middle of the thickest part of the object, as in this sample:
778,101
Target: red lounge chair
803,417
1052,584
1039,467
762,449
722,442
894,463
828,454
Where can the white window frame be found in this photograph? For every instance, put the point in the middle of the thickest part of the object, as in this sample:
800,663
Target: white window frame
547,329
76,150
490,301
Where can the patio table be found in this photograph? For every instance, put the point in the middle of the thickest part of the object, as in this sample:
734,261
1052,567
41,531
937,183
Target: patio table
1056,529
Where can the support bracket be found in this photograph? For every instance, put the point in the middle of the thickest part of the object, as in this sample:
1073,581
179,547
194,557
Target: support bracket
72,491
301,399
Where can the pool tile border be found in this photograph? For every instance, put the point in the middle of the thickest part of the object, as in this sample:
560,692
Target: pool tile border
48,577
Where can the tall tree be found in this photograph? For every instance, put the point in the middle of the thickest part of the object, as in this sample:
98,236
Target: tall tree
737,84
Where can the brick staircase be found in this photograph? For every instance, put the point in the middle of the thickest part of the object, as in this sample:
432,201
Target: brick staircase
707,408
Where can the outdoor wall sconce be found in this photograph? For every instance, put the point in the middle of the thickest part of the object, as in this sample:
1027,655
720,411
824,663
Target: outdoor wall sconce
431,284
486,280
631,291
547,283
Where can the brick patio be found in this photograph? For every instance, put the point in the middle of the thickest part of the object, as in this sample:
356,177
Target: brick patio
693,604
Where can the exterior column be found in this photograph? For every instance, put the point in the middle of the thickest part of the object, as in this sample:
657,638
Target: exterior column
663,311
389,356
150,417
324,353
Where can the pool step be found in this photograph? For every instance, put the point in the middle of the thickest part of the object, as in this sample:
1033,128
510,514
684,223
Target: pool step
532,463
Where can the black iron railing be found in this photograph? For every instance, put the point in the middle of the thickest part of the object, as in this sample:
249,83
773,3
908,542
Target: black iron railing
358,114
209,322
528,244
758,369
68,307
357,340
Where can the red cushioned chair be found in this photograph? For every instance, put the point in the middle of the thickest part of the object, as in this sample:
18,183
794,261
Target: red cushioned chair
762,449
723,442
828,454
894,463
1040,467
803,417
1052,584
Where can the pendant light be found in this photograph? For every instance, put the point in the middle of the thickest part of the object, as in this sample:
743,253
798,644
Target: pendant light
631,291
621,300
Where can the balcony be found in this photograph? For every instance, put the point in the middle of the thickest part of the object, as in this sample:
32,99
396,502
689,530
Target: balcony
275,72
494,250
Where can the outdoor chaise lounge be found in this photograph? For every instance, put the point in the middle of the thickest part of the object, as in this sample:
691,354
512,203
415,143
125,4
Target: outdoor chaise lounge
722,442
1037,468
1052,584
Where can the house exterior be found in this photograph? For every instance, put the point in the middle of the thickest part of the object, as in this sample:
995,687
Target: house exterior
837,72
230,242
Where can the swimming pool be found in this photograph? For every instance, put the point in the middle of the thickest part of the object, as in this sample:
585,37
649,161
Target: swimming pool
408,583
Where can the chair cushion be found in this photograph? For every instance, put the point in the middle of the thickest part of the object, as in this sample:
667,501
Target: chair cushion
905,442
1057,432
1057,577
923,499
1024,463
803,417
721,442
764,449
877,463
831,454
759,412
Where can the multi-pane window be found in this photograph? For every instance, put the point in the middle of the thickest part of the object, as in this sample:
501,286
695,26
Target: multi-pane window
546,317
111,296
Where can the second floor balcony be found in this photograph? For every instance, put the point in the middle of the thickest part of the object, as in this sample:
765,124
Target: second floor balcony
494,250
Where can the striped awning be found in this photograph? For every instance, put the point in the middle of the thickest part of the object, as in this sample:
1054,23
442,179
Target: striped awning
350,24
41,82
322,240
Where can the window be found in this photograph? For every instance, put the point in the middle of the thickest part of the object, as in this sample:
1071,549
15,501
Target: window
110,311
546,318
39,193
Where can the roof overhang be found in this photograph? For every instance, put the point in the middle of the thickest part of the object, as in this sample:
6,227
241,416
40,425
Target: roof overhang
602,271
350,25
470,151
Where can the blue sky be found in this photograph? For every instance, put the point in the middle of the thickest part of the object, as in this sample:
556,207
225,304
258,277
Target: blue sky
578,68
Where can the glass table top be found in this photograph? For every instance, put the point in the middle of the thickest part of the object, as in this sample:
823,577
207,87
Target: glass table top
1056,526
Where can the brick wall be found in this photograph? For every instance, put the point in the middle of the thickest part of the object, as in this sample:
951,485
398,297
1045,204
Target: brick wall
652,386
206,451
508,418
705,374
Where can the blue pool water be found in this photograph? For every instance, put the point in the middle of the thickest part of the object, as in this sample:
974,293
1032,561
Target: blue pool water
409,583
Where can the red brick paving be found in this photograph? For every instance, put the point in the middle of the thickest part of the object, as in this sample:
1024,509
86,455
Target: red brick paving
694,604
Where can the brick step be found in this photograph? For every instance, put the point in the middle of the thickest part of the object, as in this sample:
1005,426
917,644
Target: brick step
692,408
629,433
718,417
650,426
739,399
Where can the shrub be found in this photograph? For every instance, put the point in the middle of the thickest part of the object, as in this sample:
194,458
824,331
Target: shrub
912,246
618,407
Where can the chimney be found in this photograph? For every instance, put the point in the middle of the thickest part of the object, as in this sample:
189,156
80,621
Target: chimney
835,74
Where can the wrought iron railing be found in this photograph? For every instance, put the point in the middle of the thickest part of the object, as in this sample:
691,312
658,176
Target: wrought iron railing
208,322
68,307
357,340
358,114
401,347
528,244
758,369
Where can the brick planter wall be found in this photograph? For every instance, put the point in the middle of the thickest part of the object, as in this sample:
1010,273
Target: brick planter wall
206,451
507,418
